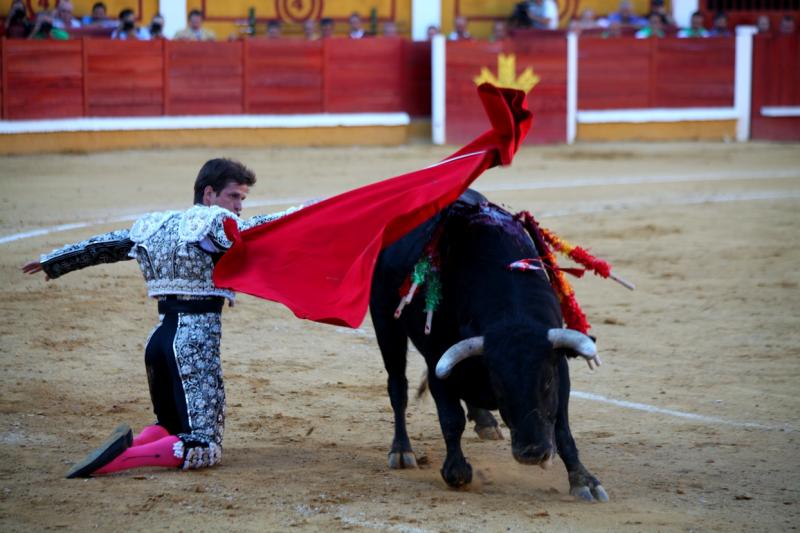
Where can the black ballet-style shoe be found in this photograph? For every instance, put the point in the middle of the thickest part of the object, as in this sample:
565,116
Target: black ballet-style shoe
119,441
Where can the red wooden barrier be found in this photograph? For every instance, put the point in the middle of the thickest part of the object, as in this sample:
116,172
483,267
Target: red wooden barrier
2,77
43,79
417,78
204,78
124,78
693,72
628,73
364,75
283,76
614,73
776,82
546,55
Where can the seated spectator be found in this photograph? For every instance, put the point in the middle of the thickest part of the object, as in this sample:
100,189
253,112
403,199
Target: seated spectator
274,29
661,8
763,24
695,28
626,16
655,27
195,31
326,28
18,25
63,18
587,21
460,33
43,29
614,30
126,29
356,31
540,14
155,30
389,29
499,31
432,31
788,26
719,27
310,30
99,17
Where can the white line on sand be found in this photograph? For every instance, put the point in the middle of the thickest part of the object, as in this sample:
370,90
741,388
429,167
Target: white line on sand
671,412
555,184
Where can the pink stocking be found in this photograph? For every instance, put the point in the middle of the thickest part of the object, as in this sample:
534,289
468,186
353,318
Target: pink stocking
159,453
150,434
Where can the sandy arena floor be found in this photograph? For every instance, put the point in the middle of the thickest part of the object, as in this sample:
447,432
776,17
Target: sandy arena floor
709,232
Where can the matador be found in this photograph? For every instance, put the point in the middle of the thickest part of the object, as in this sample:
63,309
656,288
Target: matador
176,252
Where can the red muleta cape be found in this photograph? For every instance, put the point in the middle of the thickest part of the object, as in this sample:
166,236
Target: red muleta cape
318,261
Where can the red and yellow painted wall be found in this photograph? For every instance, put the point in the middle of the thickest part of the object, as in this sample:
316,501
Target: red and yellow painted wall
226,18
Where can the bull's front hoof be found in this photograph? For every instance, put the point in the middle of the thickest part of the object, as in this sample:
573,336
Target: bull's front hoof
488,432
457,472
590,494
584,486
399,460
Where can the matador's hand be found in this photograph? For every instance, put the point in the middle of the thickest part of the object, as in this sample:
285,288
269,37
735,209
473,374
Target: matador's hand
33,267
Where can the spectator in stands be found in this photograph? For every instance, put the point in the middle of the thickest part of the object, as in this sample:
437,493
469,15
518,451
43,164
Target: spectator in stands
763,24
63,19
614,30
695,28
499,31
660,7
126,29
540,14
719,27
195,31
356,29
587,21
43,29
432,31
274,29
310,30
18,25
326,28
460,33
626,17
99,17
389,29
655,27
156,29
788,26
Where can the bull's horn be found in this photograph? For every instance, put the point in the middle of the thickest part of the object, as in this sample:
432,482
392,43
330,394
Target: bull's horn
574,340
457,353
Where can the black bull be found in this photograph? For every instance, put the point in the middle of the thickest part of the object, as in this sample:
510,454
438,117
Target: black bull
517,369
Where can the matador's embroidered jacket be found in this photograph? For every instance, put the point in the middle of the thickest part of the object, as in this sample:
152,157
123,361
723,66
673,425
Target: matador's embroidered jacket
178,260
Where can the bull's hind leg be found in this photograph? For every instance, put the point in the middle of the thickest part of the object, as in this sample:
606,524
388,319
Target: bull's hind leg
582,484
393,343
485,424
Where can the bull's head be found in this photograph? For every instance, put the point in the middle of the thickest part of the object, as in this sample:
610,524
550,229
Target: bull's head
523,370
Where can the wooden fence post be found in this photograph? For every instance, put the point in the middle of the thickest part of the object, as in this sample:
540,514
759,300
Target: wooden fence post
4,80
165,85
245,75
85,76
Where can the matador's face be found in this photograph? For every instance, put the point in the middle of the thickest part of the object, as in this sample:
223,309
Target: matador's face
231,197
